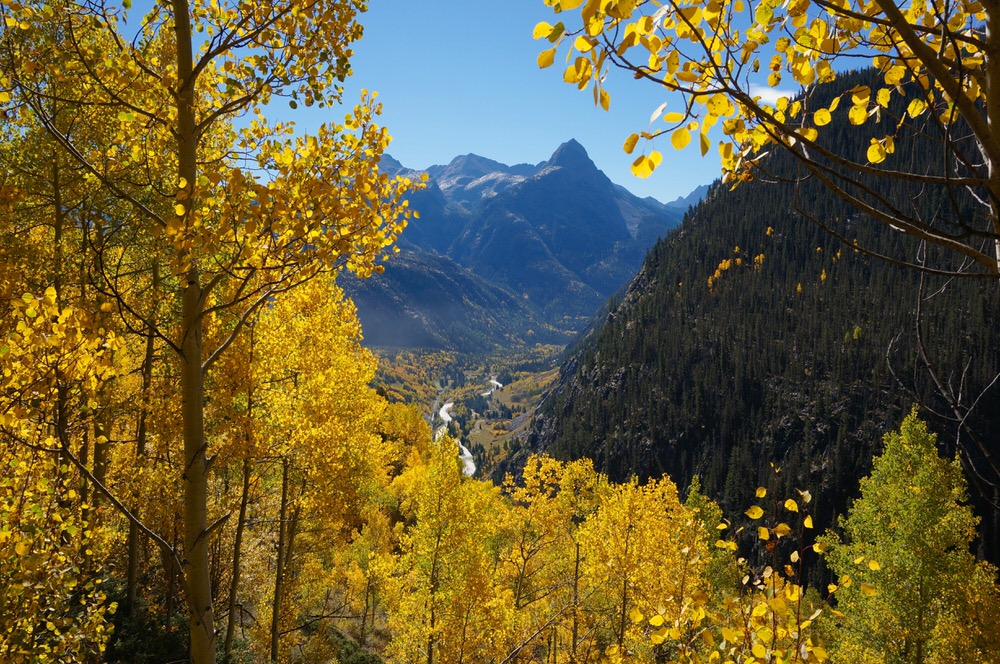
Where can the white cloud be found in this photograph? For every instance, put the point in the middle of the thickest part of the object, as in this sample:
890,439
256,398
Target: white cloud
770,95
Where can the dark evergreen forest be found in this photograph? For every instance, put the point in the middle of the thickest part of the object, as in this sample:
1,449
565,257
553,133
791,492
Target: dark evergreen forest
753,340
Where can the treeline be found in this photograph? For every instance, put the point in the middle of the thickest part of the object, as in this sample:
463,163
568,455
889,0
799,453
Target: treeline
348,535
752,336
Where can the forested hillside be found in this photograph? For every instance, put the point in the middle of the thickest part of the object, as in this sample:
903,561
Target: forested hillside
752,337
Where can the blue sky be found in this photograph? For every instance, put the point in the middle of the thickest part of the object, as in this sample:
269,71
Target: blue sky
460,76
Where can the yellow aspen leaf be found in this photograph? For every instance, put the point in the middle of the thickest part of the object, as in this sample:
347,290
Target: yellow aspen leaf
868,590
804,74
659,636
832,588
883,97
635,615
876,153
916,107
805,495
719,104
782,529
656,620
582,44
704,143
566,5
542,29
777,605
673,117
182,183
4,97
794,557
546,58
759,651
179,209
680,138
641,168
763,533
630,143
858,114
21,548
729,634
874,565
605,99
895,75
791,505
761,491
822,117
808,522
755,512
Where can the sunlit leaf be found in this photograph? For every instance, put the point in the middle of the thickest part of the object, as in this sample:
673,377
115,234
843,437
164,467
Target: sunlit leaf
630,143
916,107
680,138
876,153
542,29
858,114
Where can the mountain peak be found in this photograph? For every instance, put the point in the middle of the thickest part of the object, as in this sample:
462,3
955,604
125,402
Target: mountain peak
474,165
571,155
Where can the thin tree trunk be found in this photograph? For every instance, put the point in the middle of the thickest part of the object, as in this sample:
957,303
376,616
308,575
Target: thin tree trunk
369,606
992,85
279,568
237,559
241,521
621,622
141,434
576,605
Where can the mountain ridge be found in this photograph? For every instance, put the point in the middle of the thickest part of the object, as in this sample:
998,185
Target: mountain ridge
558,235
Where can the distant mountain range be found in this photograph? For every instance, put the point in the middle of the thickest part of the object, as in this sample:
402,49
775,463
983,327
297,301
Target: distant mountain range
504,254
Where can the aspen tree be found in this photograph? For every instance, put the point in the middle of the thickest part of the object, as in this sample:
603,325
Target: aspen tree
234,217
